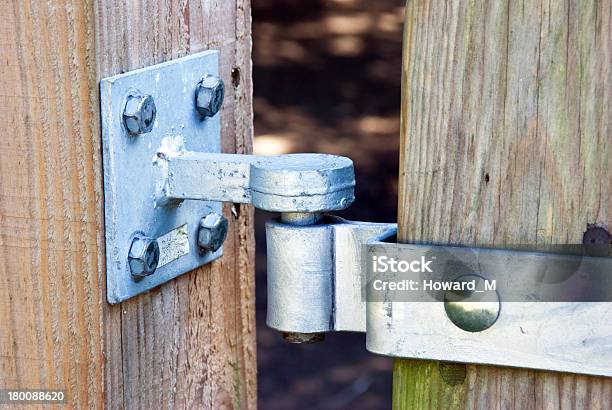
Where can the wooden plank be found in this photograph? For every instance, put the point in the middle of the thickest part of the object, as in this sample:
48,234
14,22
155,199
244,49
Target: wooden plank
51,239
189,343
505,140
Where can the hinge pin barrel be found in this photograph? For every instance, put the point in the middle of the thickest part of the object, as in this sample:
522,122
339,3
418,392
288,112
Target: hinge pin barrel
302,219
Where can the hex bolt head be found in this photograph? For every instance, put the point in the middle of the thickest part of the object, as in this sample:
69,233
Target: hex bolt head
139,114
143,256
209,95
212,232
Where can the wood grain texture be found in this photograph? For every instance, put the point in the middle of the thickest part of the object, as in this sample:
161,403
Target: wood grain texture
51,252
505,140
189,343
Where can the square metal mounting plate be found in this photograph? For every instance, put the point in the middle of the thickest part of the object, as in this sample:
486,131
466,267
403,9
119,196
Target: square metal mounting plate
130,173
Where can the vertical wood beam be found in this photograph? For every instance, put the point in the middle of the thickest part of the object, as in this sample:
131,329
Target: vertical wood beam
51,237
189,343
505,140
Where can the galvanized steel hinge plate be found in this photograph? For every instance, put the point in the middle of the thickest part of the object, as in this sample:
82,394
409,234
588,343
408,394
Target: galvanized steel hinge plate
165,178
146,113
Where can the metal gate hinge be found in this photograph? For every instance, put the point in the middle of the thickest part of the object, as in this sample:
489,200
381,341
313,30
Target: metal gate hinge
315,274
165,179
543,312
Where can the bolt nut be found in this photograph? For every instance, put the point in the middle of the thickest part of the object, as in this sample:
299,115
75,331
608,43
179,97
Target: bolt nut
209,95
143,256
212,233
139,114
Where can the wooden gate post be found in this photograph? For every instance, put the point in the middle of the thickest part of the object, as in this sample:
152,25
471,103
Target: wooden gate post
506,124
189,343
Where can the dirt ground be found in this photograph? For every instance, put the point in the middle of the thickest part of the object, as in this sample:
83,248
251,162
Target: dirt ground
327,79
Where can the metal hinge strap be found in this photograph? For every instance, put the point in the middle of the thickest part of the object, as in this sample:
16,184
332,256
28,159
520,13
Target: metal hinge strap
319,281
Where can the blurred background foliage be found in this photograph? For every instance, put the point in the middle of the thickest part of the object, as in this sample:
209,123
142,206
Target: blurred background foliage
327,77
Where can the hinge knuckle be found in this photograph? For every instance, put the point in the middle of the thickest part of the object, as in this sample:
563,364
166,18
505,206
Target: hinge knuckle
316,274
300,277
283,183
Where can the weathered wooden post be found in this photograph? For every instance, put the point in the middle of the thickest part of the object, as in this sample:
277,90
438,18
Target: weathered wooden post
189,343
505,133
